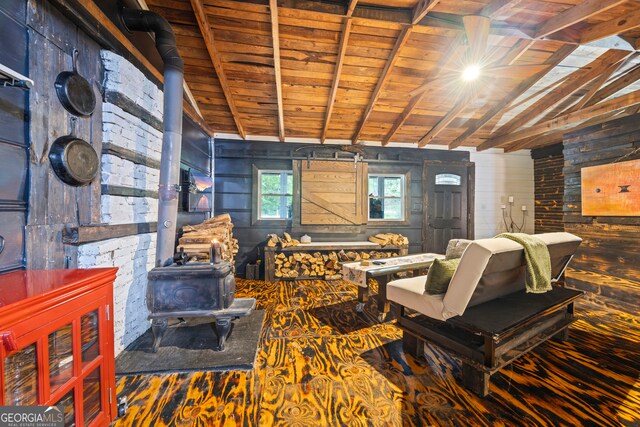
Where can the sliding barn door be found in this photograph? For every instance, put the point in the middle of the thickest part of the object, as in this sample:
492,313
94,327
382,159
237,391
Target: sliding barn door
333,193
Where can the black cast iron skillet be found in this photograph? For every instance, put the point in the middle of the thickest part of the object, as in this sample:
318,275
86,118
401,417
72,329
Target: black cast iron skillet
75,92
73,160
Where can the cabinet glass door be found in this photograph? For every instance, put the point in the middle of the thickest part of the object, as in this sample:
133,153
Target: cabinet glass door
60,357
21,377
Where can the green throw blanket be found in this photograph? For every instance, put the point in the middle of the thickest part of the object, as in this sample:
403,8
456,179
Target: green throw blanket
536,255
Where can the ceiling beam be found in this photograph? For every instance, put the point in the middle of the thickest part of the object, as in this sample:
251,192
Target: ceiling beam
615,26
422,8
275,33
573,83
619,83
602,110
595,87
515,52
555,137
384,77
342,51
209,41
496,8
185,87
462,103
351,8
444,62
499,108
574,15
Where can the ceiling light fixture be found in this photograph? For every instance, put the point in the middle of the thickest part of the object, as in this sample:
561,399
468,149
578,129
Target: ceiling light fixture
471,73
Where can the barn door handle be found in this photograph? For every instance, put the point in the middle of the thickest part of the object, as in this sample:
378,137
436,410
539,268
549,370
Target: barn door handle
1,244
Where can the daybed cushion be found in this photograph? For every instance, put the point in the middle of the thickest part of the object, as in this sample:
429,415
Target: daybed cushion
488,269
410,293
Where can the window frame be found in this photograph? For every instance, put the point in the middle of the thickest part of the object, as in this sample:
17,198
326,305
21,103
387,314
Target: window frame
403,197
257,195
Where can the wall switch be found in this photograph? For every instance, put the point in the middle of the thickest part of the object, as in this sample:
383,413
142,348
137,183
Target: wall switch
511,199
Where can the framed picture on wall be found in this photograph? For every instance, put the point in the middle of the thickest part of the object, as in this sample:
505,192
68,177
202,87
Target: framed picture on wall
612,189
198,191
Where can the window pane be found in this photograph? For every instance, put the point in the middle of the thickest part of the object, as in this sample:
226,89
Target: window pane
269,206
289,183
373,186
375,208
393,186
392,209
448,179
275,207
288,203
270,183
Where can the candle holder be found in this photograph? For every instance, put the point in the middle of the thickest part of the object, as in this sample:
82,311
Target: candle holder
507,218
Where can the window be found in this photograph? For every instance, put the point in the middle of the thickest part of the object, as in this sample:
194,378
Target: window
275,193
448,179
386,197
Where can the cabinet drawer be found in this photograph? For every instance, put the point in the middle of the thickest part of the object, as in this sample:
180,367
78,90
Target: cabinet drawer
12,231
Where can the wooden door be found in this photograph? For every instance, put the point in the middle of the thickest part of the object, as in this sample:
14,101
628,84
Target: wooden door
333,193
449,204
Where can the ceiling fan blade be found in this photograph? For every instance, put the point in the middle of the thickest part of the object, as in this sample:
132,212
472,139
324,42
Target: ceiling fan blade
477,29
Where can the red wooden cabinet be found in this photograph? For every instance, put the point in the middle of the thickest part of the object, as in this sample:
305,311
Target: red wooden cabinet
56,342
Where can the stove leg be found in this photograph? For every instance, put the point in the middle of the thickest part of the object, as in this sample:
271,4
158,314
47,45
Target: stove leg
158,327
221,328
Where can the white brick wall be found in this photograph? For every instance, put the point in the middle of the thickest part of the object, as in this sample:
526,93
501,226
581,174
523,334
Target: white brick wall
123,77
128,210
125,130
134,256
124,173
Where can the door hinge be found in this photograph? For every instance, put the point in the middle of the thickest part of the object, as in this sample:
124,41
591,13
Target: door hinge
107,308
110,396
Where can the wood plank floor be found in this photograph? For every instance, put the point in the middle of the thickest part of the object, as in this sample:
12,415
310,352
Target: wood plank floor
321,363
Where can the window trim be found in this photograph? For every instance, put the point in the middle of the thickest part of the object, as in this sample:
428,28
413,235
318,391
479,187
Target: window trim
256,197
403,197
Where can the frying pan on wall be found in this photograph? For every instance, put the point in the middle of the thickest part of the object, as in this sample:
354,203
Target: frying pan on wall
74,160
75,92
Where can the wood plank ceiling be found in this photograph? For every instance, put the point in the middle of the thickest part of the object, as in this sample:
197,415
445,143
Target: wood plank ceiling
390,70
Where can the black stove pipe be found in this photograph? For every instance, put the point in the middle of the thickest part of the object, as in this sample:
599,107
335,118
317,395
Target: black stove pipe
169,188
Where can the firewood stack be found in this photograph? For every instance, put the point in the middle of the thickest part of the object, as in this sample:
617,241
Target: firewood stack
385,239
285,240
197,239
327,266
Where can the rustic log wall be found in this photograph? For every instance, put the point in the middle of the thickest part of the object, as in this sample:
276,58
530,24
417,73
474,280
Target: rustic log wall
13,142
549,188
607,263
234,162
37,210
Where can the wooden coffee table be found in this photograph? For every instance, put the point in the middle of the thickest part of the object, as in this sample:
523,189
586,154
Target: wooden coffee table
382,271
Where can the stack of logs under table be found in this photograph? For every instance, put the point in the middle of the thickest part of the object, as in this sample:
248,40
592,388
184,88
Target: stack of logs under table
321,260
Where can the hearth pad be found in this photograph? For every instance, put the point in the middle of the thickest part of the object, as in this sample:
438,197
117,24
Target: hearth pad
189,347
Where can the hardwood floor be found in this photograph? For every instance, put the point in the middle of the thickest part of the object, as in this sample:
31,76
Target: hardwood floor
322,363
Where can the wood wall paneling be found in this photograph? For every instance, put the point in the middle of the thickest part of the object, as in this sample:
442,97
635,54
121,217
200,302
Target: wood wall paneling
234,164
549,188
13,149
52,204
607,262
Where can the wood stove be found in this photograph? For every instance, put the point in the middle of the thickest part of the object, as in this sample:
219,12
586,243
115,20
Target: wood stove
195,290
